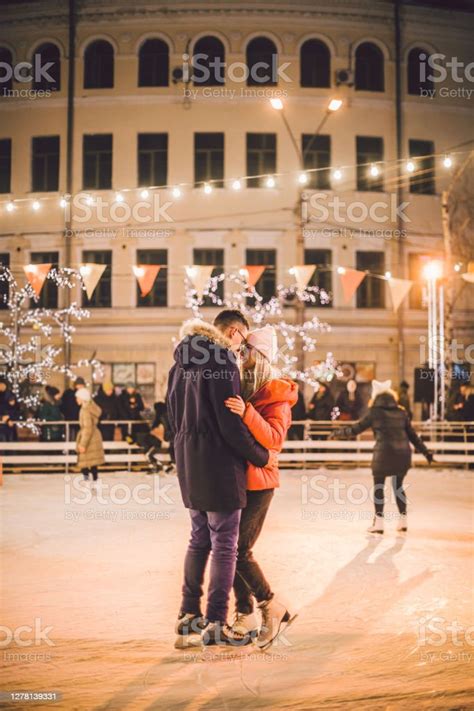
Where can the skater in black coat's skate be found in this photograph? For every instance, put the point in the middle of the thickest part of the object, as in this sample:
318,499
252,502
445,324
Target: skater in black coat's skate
392,453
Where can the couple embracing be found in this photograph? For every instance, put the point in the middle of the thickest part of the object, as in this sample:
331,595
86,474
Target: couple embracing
229,413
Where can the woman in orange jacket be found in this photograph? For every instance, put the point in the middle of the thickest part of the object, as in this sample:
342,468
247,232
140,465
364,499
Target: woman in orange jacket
266,410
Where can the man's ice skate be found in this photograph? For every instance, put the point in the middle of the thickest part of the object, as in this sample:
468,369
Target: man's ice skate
402,525
275,617
222,634
188,630
377,525
246,625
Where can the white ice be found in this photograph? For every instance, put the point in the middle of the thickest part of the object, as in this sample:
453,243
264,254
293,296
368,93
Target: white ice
383,623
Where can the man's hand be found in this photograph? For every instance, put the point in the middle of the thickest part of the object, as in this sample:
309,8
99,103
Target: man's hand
236,405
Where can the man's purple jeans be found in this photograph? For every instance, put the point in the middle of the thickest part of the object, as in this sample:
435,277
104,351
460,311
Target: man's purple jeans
217,531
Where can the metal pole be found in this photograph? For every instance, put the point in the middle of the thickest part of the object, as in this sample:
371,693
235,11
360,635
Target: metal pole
435,350
442,354
429,285
400,223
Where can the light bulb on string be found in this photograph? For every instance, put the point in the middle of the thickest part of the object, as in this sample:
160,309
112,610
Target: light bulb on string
341,270
207,188
89,200
303,178
36,205
236,185
270,182
337,174
144,194
63,202
388,275
410,166
10,206
118,197
176,192
447,161
374,170
457,267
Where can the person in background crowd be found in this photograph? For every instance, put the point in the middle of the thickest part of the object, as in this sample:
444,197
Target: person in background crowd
69,406
322,404
404,397
110,405
131,405
13,412
467,411
459,402
298,412
4,411
152,441
90,450
349,402
50,411
392,454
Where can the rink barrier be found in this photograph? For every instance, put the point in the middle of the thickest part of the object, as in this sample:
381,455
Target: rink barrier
451,442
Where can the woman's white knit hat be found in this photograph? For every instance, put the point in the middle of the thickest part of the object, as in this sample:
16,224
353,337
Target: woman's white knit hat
380,386
265,341
83,394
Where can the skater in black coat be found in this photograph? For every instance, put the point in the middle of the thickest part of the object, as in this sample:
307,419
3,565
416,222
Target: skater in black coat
392,453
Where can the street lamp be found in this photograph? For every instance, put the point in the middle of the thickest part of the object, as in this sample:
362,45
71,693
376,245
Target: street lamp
433,272
278,105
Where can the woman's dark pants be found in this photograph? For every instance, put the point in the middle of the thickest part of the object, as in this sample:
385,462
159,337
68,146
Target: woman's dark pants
379,496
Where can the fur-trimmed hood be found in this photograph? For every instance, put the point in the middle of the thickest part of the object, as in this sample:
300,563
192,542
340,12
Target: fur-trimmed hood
200,344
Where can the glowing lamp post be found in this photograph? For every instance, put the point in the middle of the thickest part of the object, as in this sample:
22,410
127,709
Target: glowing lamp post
433,273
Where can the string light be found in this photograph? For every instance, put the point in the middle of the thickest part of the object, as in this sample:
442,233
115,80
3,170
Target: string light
144,194
337,174
457,267
10,206
176,192
447,161
303,178
36,205
63,202
410,166
207,188
118,197
270,182
341,270
89,200
374,170
388,275
236,185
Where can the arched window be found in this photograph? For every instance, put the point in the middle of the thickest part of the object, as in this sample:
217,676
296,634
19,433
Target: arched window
99,65
315,64
6,70
46,67
262,62
417,71
369,68
208,62
153,63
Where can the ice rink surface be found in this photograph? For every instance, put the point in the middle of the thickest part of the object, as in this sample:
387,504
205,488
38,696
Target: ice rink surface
91,589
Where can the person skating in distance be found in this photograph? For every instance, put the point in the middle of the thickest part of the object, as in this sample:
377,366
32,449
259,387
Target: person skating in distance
265,408
392,453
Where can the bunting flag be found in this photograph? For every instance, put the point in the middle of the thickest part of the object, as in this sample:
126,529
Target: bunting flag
252,273
399,288
469,275
36,275
199,275
91,274
350,280
303,274
146,275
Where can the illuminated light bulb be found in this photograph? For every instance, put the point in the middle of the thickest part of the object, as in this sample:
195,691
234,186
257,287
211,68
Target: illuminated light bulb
176,192
63,202
447,162
334,104
433,270
410,166
236,185
191,272
292,270
388,275
118,197
31,268
84,270
270,182
207,188
374,171
303,178
341,270
337,174
89,200
138,271
457,267
276,104
10,206
36,205
144,194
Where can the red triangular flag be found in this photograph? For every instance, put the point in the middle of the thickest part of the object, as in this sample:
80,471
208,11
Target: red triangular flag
252,273
146,275
36,275
350,280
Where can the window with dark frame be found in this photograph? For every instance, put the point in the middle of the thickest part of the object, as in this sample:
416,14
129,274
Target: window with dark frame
423,180
262,62
208,61
266,285
315,64
322,276
208,257
416,81
102,296
209,159
317,157
158,296
48,298
6,58
4,287
97,161
369,68
261,157
99,65
152,159
45,164
371,292
369,150
153,63
5,165
49,55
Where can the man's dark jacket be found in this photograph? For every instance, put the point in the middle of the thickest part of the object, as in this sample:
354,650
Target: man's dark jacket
211,444
393,433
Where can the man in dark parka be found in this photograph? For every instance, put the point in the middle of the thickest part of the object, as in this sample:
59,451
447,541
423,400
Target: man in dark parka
211,447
